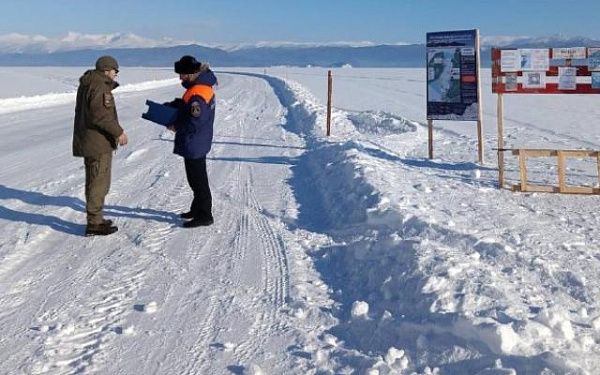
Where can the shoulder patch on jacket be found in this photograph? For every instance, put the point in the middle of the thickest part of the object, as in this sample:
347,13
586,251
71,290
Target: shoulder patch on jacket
109,101
195,109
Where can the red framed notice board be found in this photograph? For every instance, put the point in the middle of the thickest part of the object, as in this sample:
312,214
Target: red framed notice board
573,70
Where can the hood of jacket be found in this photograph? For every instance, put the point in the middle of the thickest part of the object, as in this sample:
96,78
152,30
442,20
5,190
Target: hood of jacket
96,77
206,77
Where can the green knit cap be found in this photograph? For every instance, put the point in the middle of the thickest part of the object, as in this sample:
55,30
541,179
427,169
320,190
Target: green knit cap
106,63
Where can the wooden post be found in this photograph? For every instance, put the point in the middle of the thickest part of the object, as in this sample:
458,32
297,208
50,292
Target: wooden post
562,179
523,167
479,102
598,167
500,121
329,90
480,139
430,136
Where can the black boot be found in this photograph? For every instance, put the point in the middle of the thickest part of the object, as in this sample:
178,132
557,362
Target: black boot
198,223
187,215
100,229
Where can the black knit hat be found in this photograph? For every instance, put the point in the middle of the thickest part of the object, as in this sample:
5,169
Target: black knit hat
106,63
187,65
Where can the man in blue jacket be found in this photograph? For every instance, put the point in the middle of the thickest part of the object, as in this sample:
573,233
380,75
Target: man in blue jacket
194,133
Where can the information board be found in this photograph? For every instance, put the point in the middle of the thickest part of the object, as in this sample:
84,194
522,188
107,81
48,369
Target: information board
574,70
452,75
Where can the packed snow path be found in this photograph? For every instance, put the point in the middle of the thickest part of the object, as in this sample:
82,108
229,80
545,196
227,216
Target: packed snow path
154,298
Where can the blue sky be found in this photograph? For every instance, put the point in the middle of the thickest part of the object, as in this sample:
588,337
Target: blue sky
240,21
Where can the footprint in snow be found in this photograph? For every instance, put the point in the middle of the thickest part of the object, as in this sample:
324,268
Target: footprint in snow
149,308
136,154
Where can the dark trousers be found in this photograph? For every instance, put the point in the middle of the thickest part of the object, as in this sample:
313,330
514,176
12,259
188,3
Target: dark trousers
195,170
97,184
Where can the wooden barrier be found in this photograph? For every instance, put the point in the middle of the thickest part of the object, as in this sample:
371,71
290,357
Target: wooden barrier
561,155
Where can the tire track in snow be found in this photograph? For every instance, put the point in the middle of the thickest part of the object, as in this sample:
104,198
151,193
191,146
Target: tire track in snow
233,275
221,300
233,287
275,281
277,278
219,305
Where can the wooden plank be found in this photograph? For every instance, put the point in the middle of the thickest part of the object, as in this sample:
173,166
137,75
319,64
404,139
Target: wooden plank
540,153
536,152
544,152
580,190
536,189
580,153
523,168
562,182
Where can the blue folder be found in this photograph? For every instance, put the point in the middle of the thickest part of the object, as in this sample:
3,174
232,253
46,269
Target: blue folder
160,114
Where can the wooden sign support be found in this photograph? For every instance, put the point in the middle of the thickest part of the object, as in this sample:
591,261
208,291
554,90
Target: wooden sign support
479,102
561,155
500,124
430,137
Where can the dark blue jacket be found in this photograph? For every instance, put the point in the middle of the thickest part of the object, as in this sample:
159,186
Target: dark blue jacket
195,119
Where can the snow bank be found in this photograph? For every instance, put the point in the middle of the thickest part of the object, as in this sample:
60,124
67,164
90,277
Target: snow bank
444,294
23,103
381,123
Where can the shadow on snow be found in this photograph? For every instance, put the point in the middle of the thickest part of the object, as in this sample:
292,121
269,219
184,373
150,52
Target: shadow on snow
76,204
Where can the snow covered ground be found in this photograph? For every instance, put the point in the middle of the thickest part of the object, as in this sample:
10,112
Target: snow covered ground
353,254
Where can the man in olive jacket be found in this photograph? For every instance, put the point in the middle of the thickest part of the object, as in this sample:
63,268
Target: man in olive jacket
96,135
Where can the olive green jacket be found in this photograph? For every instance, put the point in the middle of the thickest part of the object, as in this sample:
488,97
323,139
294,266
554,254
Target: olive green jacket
96,126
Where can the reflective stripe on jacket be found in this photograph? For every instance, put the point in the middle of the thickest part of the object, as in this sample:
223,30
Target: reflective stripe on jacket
204,91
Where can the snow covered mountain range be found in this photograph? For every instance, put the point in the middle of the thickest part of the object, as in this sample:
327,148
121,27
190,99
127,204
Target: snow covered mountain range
132,50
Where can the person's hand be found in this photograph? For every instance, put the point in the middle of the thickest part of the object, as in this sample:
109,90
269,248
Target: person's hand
122,139
172,128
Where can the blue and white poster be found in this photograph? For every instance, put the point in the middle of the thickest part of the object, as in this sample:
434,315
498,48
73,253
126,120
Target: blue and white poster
594,59
452,87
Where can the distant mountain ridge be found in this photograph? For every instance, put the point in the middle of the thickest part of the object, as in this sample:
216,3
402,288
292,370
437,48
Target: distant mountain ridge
385,56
